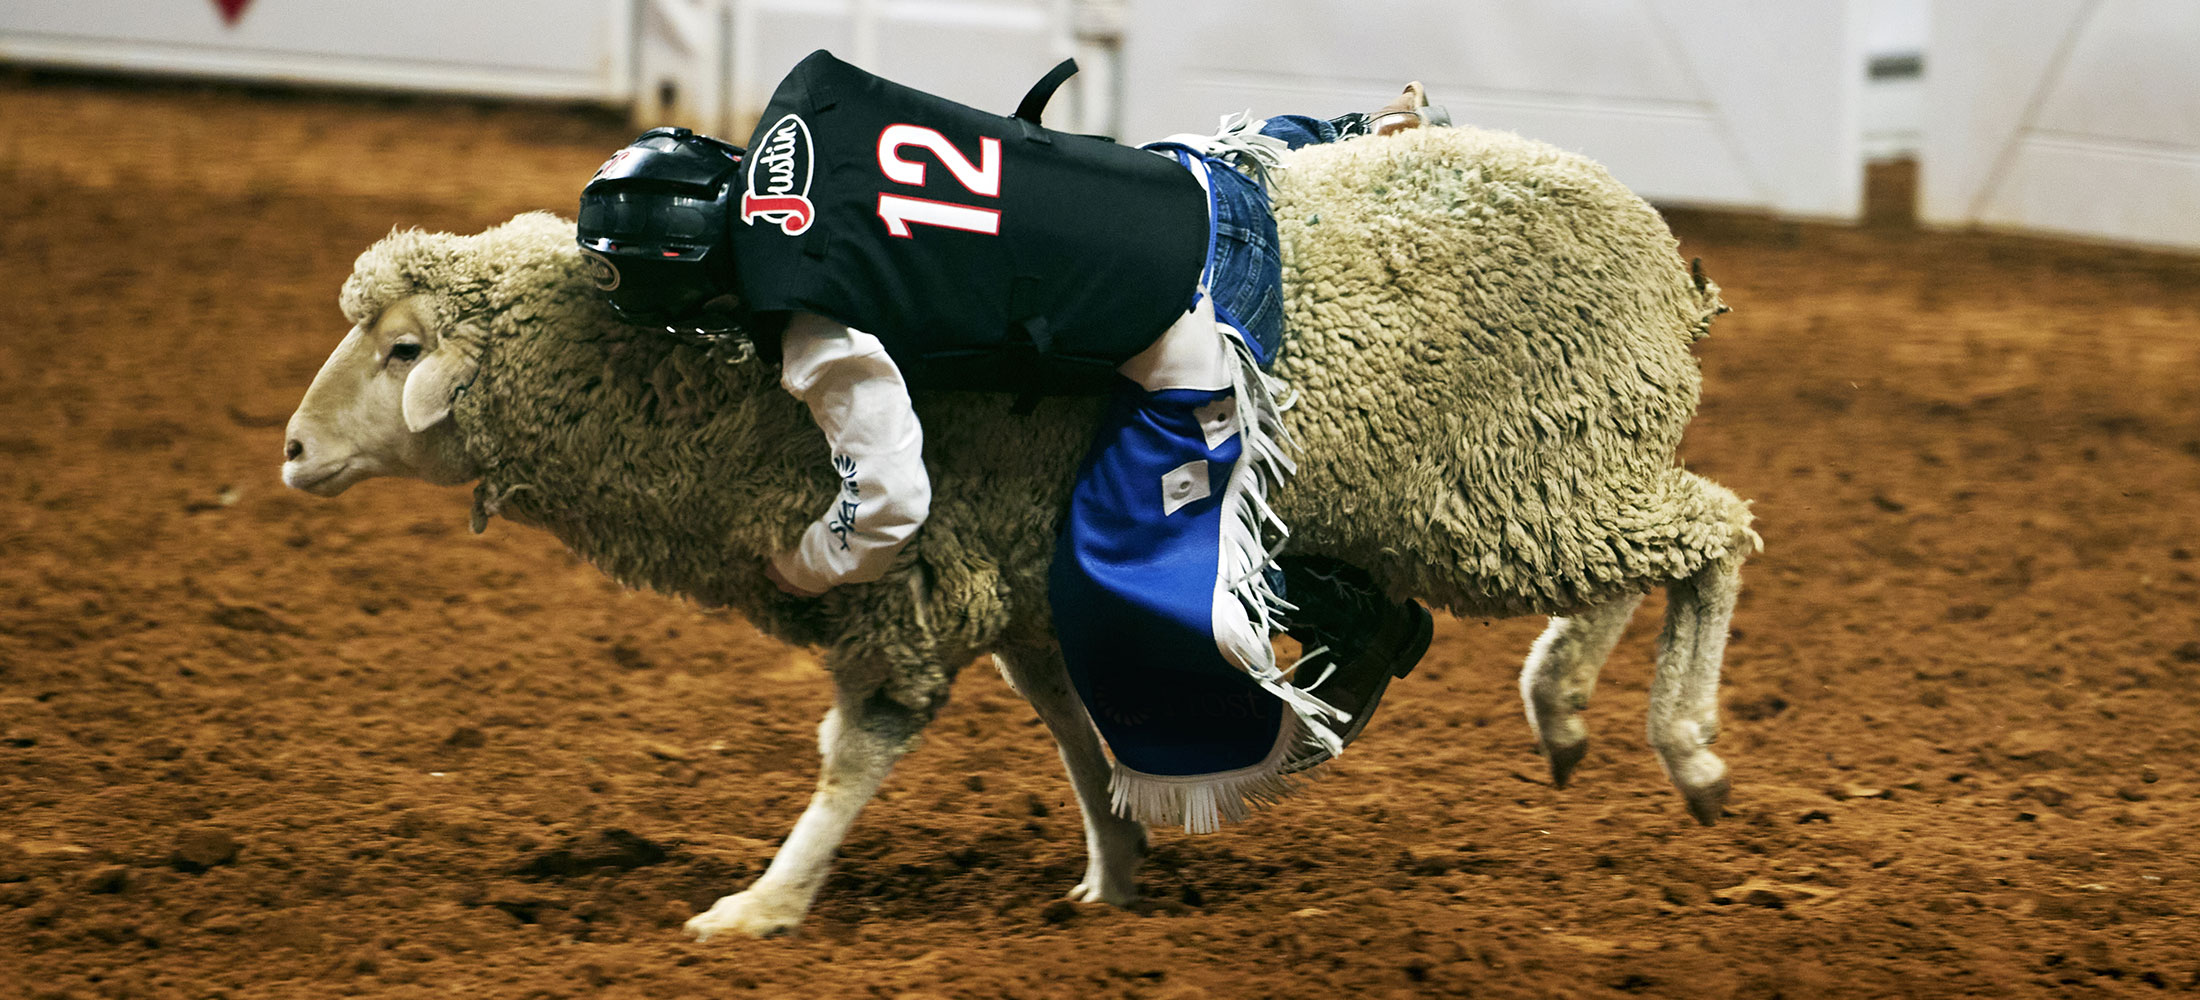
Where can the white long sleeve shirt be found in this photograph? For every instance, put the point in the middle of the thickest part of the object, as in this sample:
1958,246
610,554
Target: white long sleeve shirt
858,397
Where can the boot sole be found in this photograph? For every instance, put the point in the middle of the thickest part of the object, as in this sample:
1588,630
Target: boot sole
1410,652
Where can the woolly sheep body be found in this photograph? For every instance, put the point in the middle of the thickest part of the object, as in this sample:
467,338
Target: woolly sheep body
1488,406
1489,339
1537,316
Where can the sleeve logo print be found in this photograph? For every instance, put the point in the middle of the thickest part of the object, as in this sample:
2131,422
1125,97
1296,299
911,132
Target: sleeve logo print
842,520
779,178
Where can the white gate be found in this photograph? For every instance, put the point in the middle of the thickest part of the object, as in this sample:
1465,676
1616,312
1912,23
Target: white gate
1716,102
708,64
2074,116
712,64
574,49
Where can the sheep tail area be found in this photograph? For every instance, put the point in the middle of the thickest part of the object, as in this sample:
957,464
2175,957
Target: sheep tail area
1708,304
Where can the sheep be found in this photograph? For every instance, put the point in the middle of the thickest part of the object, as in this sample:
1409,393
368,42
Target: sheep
1489,339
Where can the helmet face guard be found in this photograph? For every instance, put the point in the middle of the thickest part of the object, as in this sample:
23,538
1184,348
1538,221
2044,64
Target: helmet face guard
653,223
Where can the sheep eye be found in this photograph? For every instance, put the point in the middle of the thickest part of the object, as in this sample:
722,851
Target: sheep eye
404,352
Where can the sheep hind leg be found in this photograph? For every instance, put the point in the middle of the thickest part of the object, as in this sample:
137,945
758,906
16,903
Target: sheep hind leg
1561,675
860,740
1684,705
1114,846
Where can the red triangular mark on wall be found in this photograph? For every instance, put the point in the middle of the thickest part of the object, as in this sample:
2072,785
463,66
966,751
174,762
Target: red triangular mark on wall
232,9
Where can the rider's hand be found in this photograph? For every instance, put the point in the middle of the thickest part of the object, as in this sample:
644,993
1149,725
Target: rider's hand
771,572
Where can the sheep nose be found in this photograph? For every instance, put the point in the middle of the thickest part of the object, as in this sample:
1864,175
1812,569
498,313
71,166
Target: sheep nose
293,450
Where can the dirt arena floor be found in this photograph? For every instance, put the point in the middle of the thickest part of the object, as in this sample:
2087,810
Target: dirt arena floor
255,744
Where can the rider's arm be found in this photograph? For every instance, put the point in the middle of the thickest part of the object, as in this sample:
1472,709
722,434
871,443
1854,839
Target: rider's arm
858,397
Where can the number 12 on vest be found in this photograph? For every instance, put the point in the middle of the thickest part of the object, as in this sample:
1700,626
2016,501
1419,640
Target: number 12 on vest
982,178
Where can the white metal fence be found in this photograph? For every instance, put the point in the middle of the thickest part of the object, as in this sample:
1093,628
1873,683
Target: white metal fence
2081,117
710,64
1723,103
572,49
713,63
2075,116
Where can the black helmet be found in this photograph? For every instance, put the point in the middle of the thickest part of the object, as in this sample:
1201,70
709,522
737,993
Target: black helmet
654,217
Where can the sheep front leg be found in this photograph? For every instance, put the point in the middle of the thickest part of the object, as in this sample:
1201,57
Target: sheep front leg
860,740
1561,675
1114,845
1684,705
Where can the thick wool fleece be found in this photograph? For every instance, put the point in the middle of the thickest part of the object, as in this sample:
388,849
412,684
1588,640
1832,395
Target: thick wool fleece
1489,339
680,473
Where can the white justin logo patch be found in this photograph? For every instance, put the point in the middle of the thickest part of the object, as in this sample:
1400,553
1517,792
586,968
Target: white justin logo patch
779,178
1182,485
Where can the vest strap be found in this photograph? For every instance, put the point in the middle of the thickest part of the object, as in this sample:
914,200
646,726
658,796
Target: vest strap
1036,100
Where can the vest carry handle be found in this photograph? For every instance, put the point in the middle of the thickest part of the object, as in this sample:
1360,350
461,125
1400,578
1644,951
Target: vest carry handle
1036,100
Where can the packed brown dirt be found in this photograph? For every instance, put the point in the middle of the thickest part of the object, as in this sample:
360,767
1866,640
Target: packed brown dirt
254,744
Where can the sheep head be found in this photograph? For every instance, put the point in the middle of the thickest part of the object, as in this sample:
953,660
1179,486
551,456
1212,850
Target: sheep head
421,305
381,404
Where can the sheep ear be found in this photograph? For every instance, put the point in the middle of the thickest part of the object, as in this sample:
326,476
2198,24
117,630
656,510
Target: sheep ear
436,380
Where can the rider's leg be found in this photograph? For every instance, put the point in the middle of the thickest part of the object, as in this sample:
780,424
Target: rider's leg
1353,640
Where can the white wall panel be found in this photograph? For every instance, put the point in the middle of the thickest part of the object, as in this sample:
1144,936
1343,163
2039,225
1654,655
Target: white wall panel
1714,102
1894,34
984,53
2072,116
543,48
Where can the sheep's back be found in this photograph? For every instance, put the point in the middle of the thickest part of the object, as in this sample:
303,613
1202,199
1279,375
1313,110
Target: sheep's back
1491,341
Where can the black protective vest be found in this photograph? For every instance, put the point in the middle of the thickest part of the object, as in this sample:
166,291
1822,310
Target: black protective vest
986,252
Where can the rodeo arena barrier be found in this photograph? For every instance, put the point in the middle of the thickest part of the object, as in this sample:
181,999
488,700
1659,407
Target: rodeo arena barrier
2076,121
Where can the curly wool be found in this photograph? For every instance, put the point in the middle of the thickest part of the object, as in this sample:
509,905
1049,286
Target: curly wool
1488,337
506,272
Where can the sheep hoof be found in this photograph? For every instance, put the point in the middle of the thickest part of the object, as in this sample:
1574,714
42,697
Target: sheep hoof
745,914
1092,891
1709,802
1563,761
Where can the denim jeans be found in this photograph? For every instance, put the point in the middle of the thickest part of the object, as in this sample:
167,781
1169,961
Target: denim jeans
1247,281
1299,130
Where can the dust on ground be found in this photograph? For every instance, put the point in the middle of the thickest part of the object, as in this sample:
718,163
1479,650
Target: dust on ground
254,744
